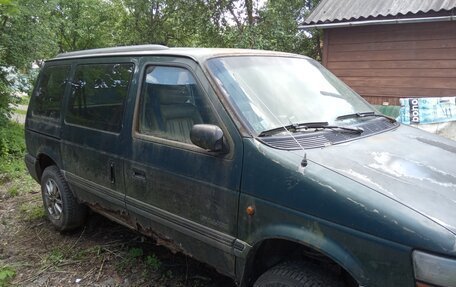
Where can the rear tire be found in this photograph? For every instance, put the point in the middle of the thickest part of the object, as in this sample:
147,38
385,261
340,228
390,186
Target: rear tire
297,274
60,206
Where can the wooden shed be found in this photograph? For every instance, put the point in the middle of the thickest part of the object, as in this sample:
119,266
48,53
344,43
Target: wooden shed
390,49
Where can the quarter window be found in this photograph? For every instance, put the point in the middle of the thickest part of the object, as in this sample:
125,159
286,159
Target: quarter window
171,103
49,94
98,95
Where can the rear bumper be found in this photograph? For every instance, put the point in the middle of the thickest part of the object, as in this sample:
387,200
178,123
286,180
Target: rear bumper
30,163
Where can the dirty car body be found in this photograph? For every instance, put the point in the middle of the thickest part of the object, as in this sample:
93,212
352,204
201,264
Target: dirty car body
246,160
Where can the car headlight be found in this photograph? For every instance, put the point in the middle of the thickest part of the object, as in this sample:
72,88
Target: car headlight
434,270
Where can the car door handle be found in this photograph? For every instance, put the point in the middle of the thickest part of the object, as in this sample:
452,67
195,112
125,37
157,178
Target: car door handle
138,174
112,173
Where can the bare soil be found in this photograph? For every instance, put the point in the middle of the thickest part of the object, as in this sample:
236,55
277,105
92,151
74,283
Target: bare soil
102,253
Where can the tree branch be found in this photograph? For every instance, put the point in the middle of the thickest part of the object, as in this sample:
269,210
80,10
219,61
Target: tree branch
236,19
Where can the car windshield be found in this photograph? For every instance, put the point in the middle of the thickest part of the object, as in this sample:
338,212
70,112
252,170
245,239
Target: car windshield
272,91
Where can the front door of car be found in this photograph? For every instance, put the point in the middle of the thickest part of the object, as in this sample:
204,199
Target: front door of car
184,195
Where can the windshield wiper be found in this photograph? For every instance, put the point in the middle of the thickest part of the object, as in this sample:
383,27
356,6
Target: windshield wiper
363,115
306,126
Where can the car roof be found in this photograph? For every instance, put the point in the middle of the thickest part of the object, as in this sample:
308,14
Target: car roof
198,54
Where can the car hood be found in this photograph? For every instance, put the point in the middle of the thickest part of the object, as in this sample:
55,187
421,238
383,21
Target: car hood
413,167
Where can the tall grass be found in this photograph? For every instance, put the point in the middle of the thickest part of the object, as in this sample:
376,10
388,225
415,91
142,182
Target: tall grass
12,149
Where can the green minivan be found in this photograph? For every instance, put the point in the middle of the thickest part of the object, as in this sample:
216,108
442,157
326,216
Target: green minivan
261,164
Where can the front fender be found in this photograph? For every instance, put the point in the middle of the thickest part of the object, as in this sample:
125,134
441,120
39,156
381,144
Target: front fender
315,239
370,260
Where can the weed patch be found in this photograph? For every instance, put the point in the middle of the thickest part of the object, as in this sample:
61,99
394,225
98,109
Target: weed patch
32,211
136,257
12,149
132,257
13,173
20,112
6,274
153,262
135,253
25,100
13,191
55,257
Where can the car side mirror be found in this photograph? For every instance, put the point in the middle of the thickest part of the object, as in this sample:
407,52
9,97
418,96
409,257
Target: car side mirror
208,137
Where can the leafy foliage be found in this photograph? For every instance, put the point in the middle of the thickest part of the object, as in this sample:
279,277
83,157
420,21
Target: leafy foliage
83,24
6,274
12,148
5,100
23,26
153,262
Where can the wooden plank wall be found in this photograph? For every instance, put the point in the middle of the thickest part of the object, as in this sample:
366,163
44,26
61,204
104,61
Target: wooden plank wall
386,62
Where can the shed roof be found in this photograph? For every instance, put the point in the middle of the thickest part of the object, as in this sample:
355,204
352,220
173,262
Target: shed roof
331,11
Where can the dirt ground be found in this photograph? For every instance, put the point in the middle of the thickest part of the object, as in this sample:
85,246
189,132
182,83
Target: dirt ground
102,253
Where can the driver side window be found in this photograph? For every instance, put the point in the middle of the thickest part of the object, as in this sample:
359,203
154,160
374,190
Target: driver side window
171,103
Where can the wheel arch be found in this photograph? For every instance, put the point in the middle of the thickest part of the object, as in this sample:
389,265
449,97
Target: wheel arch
293,241
45,158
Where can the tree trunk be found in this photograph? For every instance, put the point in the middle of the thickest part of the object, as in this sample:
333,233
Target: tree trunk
249,8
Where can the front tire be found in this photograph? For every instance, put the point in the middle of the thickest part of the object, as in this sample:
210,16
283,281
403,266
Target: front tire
297,274
60,206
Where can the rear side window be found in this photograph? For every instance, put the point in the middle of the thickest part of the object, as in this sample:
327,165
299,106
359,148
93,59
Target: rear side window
49,93
98,94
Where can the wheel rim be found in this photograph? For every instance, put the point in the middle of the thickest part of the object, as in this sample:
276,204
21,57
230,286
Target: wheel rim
53,199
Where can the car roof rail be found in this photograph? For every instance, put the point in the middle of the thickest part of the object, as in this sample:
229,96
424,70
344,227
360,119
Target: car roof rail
112,50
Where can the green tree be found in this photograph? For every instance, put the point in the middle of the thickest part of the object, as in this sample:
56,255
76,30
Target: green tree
32,30
23,23
24,33
7,10
170,22
276,28
83,24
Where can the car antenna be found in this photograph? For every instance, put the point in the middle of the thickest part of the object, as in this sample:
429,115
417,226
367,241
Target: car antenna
282,125
304,155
